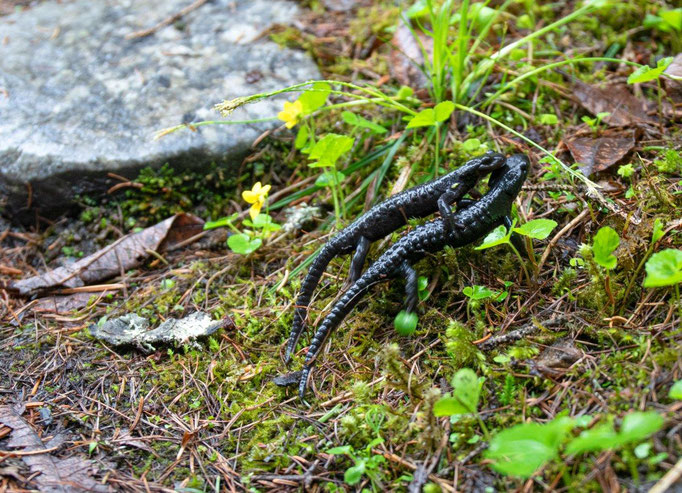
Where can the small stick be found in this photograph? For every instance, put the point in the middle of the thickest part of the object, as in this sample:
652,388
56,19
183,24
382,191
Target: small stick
167,21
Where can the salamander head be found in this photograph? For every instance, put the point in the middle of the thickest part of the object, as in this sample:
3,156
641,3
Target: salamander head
470,172
511,176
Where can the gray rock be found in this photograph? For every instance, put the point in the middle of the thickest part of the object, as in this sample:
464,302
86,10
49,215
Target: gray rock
78,99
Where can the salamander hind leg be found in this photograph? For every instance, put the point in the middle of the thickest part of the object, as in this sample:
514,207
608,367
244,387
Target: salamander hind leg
358,259
411,286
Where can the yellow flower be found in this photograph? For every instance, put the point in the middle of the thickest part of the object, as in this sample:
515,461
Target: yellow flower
256,196
291,114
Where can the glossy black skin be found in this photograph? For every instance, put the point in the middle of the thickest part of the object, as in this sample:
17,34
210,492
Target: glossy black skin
384,218
472,222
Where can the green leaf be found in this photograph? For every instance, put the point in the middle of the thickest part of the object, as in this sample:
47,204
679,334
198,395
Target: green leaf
448,406
605,242
406,323
664,269
327,179
601,437
464,399
354,474
646,73
548,119
315,98
443,110
467,388
672,18
497,236
538,229
471,145
301,137
523,449
404,92
329,149
477,292
243,244
346,449
424,118
640,425
359,121
676,391
657,232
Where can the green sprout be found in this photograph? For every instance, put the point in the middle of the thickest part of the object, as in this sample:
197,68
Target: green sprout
538,229
665,269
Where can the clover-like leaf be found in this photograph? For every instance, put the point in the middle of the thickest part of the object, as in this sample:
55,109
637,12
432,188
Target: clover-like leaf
657,232
329,178
315,97
464,398
664,269
424,118
443,110
538,229
676,391
243,244
640,425
646,73
497,236
605,242
359,121
523,449
477,292
329,149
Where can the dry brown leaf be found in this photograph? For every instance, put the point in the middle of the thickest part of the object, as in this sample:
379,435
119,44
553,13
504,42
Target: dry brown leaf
51,474
63,304
406,57
597,154
122,255
623,108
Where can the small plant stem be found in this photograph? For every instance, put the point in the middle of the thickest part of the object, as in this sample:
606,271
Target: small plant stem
335,197
523,263
677,300
607,287
484,429
634,277
437,156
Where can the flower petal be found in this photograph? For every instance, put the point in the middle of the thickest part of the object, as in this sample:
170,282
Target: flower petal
249,196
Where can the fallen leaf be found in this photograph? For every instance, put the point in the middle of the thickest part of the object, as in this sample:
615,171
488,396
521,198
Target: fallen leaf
132,330
598,154
125,438
122,255
559,356
63,304
406,57
623,108
51,474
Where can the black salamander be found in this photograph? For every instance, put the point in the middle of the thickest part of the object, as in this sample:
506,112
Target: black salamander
471,223
383,219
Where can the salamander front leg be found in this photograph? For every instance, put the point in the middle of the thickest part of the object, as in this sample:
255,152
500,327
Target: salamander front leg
358,260
445,209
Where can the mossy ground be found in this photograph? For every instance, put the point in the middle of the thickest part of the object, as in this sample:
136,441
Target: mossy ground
209,418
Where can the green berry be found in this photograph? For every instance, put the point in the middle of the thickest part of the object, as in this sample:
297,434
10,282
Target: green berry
406,323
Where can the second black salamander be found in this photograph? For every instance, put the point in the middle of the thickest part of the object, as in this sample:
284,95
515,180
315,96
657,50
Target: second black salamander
383,219
471,223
